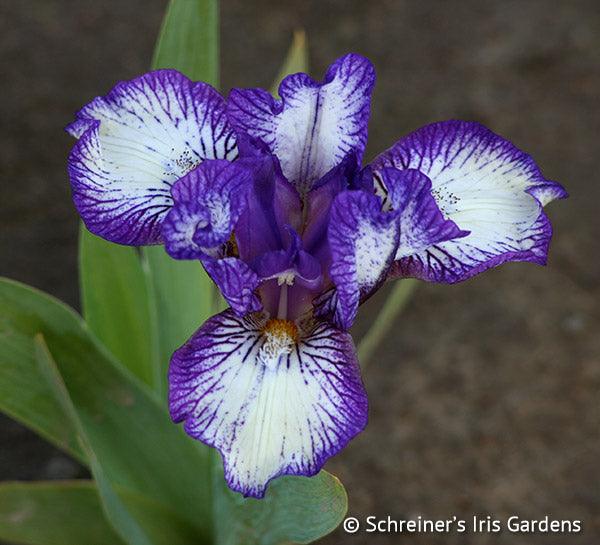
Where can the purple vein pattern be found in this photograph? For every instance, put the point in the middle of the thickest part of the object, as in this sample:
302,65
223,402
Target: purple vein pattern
271,409
271,196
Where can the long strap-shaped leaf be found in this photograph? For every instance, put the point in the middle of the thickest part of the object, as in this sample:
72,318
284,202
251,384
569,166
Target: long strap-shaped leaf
70,513
24,392
128,431
398,296
34,514
124,524
184,296
115,297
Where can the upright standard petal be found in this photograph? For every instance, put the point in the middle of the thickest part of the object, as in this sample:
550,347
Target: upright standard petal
486,186
363,240
273,206
207,203
272,398
134,143
314,125
317,206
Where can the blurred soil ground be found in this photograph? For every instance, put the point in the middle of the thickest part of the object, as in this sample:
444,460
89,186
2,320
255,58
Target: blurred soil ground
485,399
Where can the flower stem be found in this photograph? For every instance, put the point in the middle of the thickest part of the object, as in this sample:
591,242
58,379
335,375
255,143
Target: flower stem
399,296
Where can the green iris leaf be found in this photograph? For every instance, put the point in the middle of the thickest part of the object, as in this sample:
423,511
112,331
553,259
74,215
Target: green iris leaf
34,514
183,294
70,513
115,297
122,428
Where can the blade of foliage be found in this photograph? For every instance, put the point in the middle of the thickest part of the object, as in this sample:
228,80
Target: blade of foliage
399,295
115,301
295,509
189,39
54,513
183,292
118,515
183,298
163,525
296,59
129,432
70,513
24,392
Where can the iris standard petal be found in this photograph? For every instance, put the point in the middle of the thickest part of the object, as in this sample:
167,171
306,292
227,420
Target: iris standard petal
134,143
314,125
273,206
317,206
207,203
363,240
486,186
273,399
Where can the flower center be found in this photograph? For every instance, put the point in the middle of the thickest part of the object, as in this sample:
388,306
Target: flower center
277,328
280,339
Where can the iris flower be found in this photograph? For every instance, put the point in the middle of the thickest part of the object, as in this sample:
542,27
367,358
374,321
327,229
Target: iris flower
271,196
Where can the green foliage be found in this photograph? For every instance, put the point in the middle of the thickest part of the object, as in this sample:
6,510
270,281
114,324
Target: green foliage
296,509
398,296
189,40
34,514
125,525
24,392
295,61
120,421
116,304
182,298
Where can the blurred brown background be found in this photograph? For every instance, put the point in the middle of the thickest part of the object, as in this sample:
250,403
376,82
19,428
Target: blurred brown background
486,397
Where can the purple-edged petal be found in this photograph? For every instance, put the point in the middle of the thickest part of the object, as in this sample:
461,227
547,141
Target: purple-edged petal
236,281
134,143
207,203
422,223
363,241
272,399
548,191
314,125
486,186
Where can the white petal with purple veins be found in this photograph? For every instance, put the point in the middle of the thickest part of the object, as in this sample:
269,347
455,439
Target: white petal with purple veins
273,400
487,187
315,125
363,241
134,143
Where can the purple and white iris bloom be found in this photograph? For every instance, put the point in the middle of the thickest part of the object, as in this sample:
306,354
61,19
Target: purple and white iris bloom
271,197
